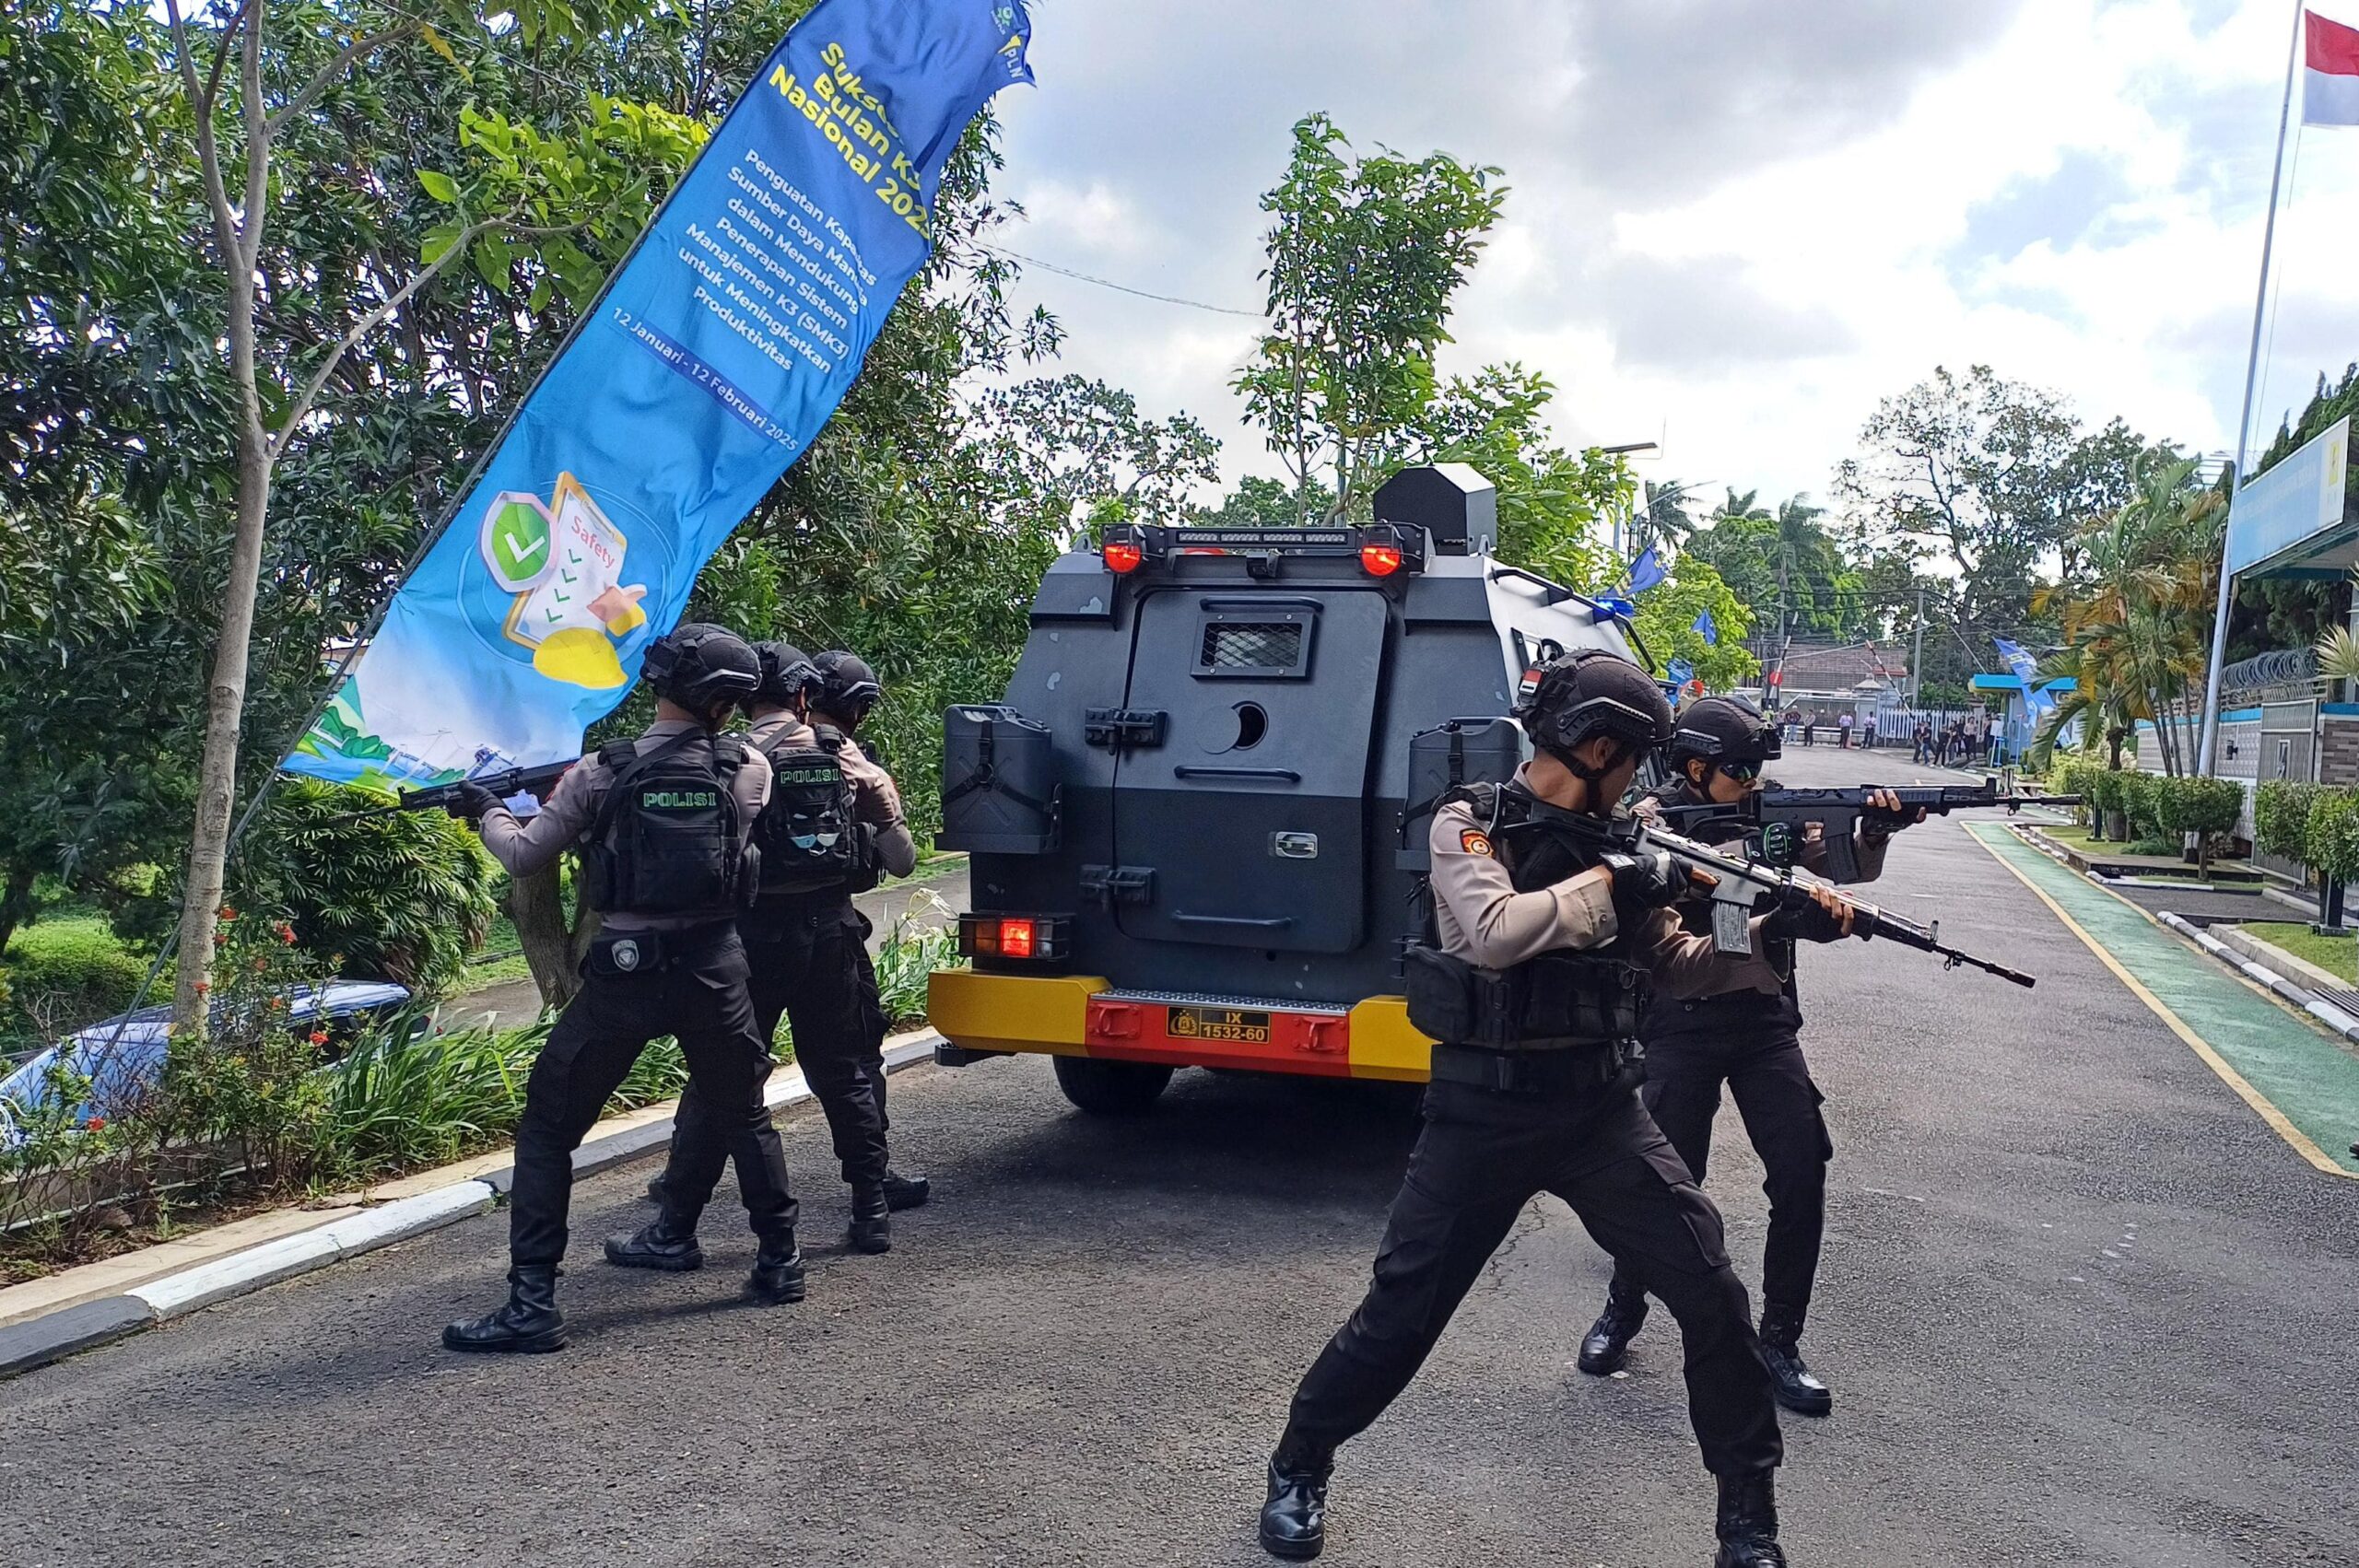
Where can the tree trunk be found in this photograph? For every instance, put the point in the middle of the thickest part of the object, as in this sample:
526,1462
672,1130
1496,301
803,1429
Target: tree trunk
552,949
15,903
225,700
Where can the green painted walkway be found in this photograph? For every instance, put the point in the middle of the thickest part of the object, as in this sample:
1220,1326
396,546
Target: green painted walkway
2296,1076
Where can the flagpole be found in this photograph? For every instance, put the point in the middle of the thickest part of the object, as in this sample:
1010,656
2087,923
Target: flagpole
2211,730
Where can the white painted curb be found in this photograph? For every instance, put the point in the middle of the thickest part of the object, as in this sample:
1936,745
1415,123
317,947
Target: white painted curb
374,1228
2268,979
177,1295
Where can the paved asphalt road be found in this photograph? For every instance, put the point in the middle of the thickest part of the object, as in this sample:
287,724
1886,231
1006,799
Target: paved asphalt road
2079,1307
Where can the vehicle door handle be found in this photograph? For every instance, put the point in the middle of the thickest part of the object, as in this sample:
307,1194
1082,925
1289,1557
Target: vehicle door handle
1277,774
1244,922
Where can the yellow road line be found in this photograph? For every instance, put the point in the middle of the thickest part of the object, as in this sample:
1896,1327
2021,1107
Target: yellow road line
2293,1136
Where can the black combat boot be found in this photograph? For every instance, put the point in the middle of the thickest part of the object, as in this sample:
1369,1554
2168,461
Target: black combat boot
871,1218
1607,1346
906,1192
669,1244
529,1322
1748,1523
1796,1389
1293,1520
777,1278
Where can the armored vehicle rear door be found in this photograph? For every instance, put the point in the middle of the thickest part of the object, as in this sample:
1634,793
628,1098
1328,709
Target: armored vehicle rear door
1248,810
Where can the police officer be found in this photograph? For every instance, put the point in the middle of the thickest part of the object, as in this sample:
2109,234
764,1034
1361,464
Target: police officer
664,823
804,939
1574,936
1740,1028
847,690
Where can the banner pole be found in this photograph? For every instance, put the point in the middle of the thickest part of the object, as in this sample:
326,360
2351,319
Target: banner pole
2211,729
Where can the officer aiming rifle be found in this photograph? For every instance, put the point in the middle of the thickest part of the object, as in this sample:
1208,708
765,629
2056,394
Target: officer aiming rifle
1547,947
539,782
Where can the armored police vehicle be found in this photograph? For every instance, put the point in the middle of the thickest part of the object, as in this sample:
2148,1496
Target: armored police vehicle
1198,822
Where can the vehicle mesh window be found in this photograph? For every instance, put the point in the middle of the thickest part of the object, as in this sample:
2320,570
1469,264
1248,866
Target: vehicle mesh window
1251,645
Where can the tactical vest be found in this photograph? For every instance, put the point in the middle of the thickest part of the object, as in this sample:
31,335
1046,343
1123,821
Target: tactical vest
867,869
1695,917
808,836
1555,1000
667,839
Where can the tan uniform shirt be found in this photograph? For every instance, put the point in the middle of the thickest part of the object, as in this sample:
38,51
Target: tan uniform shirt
875,799
1484,921
526,847
1752,972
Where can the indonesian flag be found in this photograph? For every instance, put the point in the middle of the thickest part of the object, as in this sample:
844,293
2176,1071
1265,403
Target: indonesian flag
2330,84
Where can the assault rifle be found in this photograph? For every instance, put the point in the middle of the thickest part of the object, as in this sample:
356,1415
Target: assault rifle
1741,887
1839,811
539,782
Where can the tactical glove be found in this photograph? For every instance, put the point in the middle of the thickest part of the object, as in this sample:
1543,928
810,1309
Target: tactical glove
1643,883
1804,919
473,802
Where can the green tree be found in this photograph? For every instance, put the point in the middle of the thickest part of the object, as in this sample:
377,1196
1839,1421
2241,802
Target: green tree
1666,624
254,76
1364,258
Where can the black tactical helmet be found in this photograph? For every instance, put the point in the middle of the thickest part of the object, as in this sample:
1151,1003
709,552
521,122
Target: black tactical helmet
786,673
701,667
1723,729
1589,693
848,688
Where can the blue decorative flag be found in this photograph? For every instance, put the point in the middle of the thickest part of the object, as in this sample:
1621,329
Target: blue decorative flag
716,354
1679,672
2036,701
1647,571
1703,622
1614,606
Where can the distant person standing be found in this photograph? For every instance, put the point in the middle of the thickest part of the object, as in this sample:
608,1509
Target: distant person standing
1810,730
1843,731
1871,741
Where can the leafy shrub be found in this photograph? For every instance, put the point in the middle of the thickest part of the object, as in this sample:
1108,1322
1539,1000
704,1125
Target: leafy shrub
2137,792
2208,806
2103,787
64,974
2329,844
904,962
400,896
2071,775
2280,817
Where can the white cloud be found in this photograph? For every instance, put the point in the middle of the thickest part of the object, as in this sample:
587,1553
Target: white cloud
1740,225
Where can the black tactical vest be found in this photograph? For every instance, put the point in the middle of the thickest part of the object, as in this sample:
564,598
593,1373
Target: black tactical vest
808,837
667,839
1559,999
1696,915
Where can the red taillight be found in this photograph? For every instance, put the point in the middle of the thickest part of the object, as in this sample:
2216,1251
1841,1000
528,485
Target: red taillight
1122,555
1204,550
1045,939
1380,560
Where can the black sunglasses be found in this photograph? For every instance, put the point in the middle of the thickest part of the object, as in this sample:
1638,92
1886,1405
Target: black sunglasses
1740,772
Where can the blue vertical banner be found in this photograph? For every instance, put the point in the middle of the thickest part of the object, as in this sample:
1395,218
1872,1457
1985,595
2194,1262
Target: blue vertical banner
2036,701
713,359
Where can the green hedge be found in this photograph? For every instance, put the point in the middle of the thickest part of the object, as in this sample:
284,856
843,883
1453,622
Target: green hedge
2280,818
2209,806
62,973
2331,835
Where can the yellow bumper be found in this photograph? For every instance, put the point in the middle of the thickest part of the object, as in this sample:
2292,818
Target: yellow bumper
1053,1014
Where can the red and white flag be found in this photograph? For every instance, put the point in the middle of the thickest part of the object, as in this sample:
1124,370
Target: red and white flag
2330,84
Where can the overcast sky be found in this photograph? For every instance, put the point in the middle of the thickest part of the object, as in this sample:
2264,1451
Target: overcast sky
1734,224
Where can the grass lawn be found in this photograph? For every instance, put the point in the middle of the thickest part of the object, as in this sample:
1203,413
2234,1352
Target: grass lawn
2338,955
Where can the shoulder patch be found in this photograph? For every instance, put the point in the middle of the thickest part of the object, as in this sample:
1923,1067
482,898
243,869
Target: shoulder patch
1474,841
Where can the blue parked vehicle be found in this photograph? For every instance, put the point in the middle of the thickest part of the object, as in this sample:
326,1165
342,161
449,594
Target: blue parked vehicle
126,1054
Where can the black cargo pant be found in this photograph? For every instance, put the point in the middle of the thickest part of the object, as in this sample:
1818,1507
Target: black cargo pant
810,967
1480,1157
1749,1043
695,990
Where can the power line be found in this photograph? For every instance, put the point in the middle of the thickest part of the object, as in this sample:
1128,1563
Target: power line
1118,288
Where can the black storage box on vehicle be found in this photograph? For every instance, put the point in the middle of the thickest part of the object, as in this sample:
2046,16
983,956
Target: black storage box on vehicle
1463,751
999,785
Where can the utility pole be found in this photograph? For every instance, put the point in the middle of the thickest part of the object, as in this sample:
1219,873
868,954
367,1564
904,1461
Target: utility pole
1916,657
